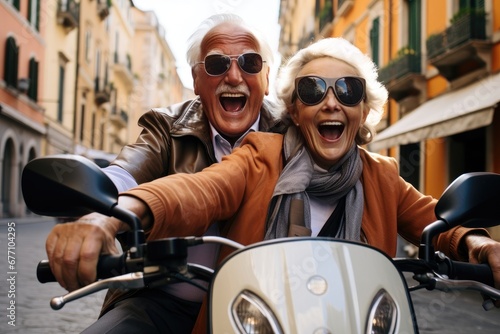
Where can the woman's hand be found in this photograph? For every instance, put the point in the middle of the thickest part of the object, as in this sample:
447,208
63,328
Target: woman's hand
485,250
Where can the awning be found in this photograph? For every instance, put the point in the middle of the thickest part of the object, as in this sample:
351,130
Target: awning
464,109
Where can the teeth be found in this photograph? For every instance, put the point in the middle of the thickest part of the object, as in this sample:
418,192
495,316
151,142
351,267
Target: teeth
332,123
232,95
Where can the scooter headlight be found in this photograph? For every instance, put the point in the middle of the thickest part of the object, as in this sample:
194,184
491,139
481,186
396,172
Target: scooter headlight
383,314
252,315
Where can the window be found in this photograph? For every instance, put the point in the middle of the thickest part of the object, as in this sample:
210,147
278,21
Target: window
88,36
414,25
11,62
467,152
34,13
375,41
92,130
82,121
33,76
60,94
15,3
409,164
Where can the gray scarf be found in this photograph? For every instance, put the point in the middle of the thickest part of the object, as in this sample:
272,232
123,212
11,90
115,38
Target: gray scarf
299,179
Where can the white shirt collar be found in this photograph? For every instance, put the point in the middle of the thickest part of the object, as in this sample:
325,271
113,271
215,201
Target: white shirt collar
222,147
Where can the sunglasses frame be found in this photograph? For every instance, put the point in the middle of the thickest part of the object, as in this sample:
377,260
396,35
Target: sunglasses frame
330,82
231,58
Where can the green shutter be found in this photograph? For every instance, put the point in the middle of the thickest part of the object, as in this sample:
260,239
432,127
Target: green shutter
374,40
414,25
33,76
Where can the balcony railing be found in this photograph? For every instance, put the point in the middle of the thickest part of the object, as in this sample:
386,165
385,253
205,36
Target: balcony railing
471,26
102,91
325,15
119,117
68,13
103,7
401,66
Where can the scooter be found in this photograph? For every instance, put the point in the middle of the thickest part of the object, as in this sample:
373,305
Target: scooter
289,285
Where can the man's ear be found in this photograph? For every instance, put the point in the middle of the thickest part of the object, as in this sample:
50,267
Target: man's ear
267,79
195,81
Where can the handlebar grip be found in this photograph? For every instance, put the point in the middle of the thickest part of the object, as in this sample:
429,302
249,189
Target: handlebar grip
468,271
43,272
107,266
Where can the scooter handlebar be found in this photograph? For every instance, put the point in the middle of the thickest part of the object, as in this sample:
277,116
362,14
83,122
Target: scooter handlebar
469,271
107,266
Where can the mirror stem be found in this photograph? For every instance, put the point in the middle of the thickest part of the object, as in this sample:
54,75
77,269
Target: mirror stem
134,222
426,250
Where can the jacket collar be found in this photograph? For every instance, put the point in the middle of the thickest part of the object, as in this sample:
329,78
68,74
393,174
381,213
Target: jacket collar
194,122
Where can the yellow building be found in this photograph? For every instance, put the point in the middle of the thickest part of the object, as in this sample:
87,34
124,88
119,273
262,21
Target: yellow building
61,37
157,81
440,61
22,58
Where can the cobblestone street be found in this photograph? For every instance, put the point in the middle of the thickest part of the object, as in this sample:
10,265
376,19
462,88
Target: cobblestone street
33,313
437,312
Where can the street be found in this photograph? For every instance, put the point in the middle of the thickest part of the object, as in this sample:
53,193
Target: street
437,312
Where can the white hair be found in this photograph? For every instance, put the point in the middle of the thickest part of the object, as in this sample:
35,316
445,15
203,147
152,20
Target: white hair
341,49
193,53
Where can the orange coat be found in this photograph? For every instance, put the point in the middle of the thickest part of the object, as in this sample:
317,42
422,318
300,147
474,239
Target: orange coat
239,188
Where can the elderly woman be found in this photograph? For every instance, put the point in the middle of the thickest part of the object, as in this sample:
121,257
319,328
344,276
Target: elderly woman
316,177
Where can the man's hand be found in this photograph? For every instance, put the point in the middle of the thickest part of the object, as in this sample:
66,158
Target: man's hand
73,249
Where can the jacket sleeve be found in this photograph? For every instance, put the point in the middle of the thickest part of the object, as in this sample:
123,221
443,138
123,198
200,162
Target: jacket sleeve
145,159
418,209
187,204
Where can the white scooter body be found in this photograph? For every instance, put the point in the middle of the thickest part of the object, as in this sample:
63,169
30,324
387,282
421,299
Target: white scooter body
311,285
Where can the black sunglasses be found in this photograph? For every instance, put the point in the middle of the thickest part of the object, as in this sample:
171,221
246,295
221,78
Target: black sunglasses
217,64
311,90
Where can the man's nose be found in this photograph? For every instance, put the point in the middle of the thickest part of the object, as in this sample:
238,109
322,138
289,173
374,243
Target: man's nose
234,74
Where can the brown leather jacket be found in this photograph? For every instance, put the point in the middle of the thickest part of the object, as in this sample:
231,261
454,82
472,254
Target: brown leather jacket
177,139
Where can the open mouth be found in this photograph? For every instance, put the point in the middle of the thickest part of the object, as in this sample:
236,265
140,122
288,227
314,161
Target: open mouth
331,130
232,102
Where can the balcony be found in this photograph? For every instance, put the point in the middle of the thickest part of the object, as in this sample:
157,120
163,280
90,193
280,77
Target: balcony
119,117
68,14
462,48
102,92
403,76
344,6
122,68
325,16
103,7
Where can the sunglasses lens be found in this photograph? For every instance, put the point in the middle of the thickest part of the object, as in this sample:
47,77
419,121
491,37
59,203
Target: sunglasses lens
311,90
217,64
250,63
349,91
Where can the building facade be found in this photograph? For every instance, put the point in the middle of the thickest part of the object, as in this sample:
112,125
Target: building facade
22,57
440,61
69,79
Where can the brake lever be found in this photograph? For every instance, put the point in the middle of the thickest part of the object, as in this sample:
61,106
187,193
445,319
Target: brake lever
127,281
447,285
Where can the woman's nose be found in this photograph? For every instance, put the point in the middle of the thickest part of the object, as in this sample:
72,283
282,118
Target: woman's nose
331,100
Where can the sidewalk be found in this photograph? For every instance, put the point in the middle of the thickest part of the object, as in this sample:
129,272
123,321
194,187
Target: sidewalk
30,219
32,313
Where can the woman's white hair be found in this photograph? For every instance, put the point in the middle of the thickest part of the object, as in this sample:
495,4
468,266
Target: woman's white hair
341,49
193,54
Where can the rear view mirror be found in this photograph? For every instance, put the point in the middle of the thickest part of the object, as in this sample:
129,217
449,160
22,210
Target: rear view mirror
67,186
472,200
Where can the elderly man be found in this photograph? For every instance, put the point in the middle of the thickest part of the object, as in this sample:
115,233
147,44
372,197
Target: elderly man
230,68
